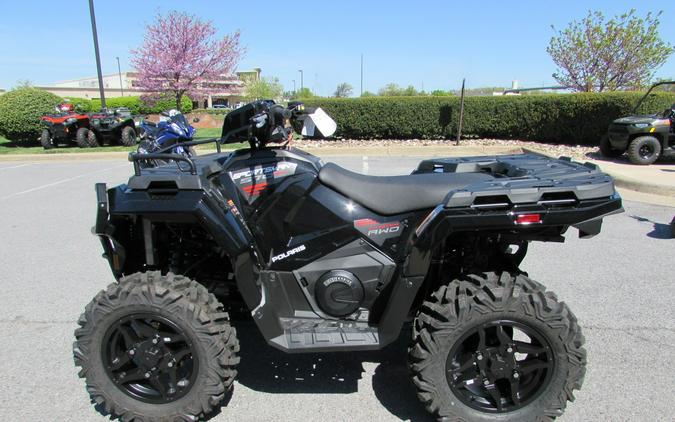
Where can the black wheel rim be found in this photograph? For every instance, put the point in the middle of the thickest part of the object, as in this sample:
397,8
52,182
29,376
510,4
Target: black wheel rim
500,366
149,358
646,151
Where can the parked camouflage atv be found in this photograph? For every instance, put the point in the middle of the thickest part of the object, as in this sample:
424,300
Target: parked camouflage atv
645,138
112,127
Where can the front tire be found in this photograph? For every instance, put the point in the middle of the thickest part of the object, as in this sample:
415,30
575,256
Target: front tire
607,150
92,139
156,348
46,139
128,137
496,347
644,150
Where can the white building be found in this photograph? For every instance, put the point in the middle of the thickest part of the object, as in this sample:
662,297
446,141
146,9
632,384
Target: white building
231,88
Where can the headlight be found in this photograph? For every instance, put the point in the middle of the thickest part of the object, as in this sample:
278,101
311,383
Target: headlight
71,120
641,125
177,129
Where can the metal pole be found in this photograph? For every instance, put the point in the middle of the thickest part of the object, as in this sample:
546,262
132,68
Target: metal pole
461,114
302,85
361,95
119,71
98,57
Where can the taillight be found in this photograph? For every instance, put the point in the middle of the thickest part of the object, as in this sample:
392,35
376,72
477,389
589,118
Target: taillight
525,219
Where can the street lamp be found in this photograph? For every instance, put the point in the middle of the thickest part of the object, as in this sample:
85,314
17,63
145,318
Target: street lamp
119,72
301,80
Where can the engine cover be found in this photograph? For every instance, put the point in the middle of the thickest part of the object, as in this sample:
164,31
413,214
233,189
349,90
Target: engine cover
339,293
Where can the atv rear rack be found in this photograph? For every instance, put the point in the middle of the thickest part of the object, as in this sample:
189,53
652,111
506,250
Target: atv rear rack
161,154
135,158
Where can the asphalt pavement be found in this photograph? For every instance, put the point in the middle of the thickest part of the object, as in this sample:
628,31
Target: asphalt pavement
619,284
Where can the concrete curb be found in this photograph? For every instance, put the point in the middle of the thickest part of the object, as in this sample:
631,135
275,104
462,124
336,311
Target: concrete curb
322,152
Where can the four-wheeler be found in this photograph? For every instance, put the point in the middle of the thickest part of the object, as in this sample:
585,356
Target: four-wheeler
64,126
112,126
326,260
645,138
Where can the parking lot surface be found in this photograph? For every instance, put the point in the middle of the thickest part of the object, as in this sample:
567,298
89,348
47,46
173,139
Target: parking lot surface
619,284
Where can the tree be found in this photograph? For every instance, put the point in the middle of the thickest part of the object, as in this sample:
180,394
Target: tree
368,94
181,55
343,90
599,55
304,93
263,88
393,90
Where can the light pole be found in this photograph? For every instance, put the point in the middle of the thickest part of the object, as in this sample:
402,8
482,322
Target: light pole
98,57
361,75
301,80
119,72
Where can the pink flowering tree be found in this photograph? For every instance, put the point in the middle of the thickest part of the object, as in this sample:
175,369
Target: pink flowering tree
181,55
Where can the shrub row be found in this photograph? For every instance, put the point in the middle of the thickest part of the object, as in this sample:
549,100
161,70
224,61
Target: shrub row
559,118
136,104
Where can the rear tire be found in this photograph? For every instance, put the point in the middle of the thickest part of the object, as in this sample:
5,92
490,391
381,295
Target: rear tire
46,140
607,150
644,150
128,137
128,352
449,326
81,137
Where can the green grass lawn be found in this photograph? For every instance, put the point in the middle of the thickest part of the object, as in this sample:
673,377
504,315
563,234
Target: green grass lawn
9,147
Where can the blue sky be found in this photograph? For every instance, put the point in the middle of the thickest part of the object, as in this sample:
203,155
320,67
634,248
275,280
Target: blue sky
428,44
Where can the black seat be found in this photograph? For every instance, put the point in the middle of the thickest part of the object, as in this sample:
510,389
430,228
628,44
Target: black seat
387,195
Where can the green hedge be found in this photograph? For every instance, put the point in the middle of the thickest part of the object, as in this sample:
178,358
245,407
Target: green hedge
560,118
136,104
20,112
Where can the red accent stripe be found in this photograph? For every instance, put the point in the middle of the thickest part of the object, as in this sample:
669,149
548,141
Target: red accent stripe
254,188
365,222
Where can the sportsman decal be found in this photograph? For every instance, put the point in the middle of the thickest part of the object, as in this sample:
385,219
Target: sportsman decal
253,181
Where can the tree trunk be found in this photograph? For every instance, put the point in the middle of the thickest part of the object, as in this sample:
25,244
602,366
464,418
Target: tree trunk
179,95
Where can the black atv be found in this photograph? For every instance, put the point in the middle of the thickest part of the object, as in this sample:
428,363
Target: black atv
327,260
113,127
645,138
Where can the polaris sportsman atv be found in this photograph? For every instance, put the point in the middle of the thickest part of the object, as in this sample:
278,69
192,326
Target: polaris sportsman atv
65,126
645,138
327,260
113,127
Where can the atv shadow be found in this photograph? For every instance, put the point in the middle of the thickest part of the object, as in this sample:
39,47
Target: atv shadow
659,231
266,369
